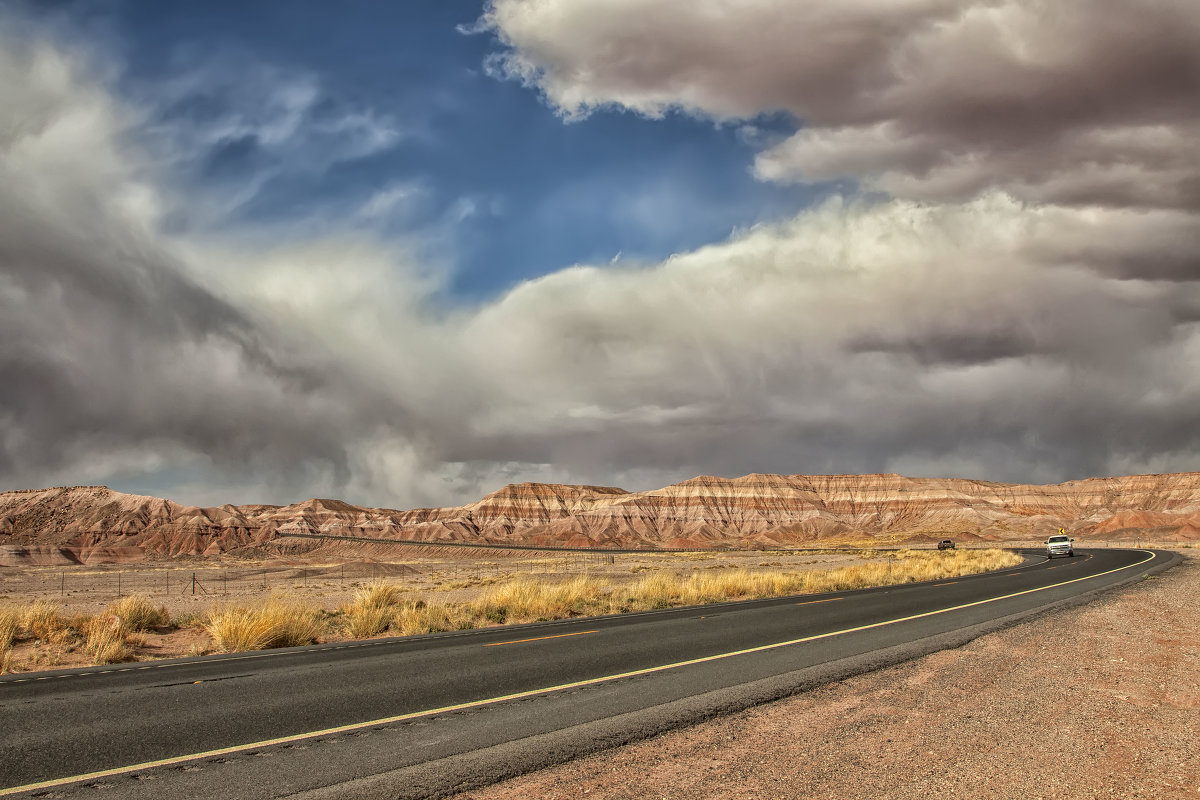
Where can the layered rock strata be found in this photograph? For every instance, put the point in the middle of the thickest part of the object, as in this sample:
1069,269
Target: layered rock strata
95,524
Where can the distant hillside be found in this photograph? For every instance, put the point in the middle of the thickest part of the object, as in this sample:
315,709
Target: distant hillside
96,524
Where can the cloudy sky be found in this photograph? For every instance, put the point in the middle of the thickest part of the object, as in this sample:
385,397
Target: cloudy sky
405,253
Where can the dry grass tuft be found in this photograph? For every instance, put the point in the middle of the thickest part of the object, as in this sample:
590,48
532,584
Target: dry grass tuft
664,590
43,621
275,623
413,619
525,600
373,610
10,623
104,640
379,594
365,621
137,613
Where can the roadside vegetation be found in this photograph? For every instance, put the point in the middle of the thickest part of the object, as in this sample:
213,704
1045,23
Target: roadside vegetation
119,633
276,623
110,637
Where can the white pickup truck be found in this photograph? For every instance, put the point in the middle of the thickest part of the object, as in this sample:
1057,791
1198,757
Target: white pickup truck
1059,546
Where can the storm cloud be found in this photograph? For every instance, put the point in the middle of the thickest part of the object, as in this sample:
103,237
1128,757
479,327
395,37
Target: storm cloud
1007,287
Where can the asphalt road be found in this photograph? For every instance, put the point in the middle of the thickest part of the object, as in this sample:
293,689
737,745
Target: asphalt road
424,716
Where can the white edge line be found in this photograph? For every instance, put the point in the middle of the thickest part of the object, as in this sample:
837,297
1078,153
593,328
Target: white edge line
166,762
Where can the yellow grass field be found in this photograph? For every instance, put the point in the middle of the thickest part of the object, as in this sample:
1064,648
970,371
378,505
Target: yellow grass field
39,635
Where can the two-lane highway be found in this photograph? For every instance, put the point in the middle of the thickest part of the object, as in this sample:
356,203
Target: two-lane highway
416,716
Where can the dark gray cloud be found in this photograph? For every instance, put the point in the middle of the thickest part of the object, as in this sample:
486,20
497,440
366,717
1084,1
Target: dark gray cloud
1079,101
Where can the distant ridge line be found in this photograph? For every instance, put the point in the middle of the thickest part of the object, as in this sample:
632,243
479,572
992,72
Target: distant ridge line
760,511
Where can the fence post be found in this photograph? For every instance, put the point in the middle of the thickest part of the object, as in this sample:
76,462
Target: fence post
167,591
193,584
118,583
62,584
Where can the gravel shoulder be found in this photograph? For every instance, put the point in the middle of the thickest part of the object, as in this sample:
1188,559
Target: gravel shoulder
1101,700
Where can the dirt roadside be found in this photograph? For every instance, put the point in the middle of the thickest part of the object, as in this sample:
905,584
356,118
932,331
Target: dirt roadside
1097,701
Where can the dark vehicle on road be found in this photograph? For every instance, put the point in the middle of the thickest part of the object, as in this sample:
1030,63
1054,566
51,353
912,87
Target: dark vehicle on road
945,544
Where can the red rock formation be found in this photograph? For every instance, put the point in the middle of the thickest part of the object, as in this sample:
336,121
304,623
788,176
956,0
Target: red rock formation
94,524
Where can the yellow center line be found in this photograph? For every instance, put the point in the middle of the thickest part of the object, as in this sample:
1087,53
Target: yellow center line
828,600
539,638
354,726
947,583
